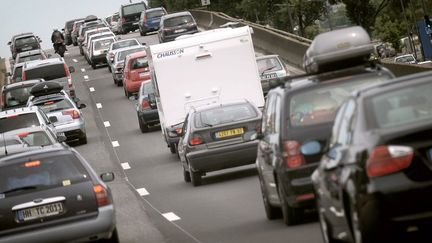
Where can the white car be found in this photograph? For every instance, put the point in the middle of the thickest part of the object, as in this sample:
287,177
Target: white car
409,58
117,46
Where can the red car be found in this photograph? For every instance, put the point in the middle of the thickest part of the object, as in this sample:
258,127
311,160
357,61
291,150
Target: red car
135,72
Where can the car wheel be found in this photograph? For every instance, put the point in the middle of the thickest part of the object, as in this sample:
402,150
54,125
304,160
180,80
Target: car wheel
195,176
114,238
355,225
173,148
83,139
186,175
109,68
75,44
290,215
143,127
326,229
271,211
93,65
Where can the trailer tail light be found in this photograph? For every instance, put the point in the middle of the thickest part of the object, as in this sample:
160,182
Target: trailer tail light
385,160
123,20
101,194
195,140
73,113
145,104
291,153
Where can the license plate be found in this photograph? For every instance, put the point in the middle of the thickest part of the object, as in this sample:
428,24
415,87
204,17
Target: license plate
40,212
179,30
229,133
142,75
26,48
268,76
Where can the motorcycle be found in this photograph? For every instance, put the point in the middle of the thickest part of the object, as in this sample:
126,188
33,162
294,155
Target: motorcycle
60,48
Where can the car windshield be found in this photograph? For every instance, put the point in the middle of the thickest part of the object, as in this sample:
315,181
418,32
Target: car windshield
133,8
401,106
224,114
124,44
103,44
30,58
319,105
36,139
180,20
48,72
121,55
155,14
268,64
17,75
22,175
17,96
13,122
25,41
140,62
54,105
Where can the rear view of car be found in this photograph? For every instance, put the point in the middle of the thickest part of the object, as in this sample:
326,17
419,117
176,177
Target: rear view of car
270,67
147,112
99,49
118,45
68,28
31,56
24,42
129,16
16,95
118,65
175,25
150,20
136,71
22,118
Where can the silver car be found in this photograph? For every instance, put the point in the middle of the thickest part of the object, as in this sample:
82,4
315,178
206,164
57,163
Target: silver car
270,67
118,64
116,46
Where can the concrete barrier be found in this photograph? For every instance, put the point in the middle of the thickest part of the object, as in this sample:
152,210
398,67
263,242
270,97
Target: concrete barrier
289,47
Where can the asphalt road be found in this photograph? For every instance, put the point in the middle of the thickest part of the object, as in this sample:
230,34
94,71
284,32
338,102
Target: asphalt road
153,202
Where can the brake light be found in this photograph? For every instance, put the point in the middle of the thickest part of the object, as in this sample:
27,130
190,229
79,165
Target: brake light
385,160
195,140
145,18
123,20
23,76
23,134
32,163
73,113
101,194
179,131
145,104
292,155
11,116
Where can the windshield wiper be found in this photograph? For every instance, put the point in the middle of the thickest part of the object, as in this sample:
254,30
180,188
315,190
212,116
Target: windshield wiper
207,124
267,69
24,188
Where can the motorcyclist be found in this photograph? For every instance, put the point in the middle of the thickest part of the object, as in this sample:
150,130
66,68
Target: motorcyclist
57,38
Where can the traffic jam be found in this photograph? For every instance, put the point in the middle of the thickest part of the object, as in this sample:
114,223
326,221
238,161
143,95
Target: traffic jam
345,145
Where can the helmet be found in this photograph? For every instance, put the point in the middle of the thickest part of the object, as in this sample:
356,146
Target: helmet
55,29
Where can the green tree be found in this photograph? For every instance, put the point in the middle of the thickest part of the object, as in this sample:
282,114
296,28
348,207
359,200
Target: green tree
389,31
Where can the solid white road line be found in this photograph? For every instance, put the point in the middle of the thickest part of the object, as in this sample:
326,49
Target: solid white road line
107,124
171,216
74,60
82,70
92,89
99,105
142,191
115,144
86,77
125,166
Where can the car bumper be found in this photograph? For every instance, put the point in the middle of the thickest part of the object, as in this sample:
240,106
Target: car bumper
150,116
99,59
73,131
100,226
223,157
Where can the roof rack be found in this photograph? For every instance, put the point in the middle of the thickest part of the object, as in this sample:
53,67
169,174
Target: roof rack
46,88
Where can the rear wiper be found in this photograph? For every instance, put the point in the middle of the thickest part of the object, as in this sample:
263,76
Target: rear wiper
207,124
267,69
24,188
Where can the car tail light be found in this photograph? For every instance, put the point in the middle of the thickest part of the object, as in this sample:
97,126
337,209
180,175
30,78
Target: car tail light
305,197
179,130
195,140
292,155
123,20
145,104
145,18
23,76
73,113
101,194
385,160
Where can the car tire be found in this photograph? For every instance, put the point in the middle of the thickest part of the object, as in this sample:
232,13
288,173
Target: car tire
196,178
173,148
143,126
93,65
75,44
290,215
127,93
83,139
119,83
325,227
114,238
186,175
109,68
272,212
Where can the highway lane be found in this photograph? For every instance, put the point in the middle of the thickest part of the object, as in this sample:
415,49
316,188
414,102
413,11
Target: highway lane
226,208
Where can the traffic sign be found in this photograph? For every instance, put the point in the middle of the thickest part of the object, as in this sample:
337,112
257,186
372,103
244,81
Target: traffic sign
205,2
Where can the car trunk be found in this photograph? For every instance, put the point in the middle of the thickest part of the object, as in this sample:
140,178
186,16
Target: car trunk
139,75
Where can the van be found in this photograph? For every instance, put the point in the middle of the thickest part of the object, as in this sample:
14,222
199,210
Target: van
129,16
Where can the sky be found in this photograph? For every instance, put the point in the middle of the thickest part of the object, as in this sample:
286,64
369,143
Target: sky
42,16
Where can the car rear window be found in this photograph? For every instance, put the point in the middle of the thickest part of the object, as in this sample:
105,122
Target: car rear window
133,9
103,44
268,64
155,14
121,55
25,41
54,105
140,62
401,106
17,73
30,58
13,122
224,114
17,96
36,139
48,72
22,175
175,21
124,44
319,105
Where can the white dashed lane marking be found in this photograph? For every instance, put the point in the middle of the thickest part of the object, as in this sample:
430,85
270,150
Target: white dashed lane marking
115,144
74,60
99,105
92,89
171,216
82,70
142,191
125,166
86,77
107,124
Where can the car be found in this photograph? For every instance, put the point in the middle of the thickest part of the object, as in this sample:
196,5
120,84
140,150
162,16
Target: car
33,55
16,95
114,23
150,20
84,28
37,136
24,42
74,33
373,177
408,58
118,45
98,50
146,108
23,117
176,24
129,15
46,189
68,28
136,71
270,67
218,136
299,115
61,109
53,69
118,64
94,31
95,36
17,73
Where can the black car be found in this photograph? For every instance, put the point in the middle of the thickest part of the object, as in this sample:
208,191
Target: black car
24,42
147,112
129,16
176,24
16,95
218,136
68,30
374,179
298,117
53,195
150,20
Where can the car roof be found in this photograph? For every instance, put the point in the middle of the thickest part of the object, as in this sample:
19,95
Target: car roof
22,35
100,34
22,83
18,111
154,9
127,48
123,40
46,62
105,38
128,4
172,15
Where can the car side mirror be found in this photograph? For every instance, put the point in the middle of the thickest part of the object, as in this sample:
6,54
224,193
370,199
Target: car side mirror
71,69
76,100
40,41
107,176
143,43
82,106
9,43
53,119
63,29
61,137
